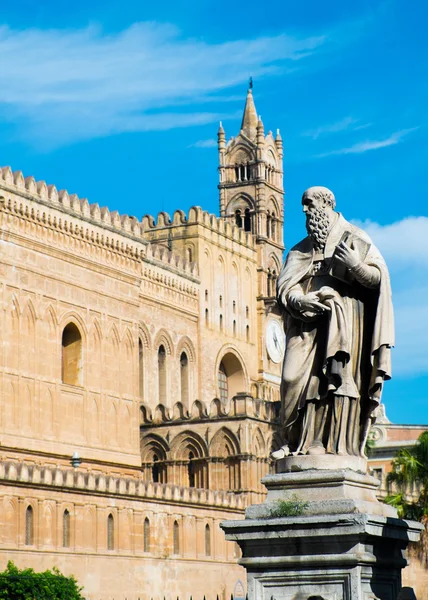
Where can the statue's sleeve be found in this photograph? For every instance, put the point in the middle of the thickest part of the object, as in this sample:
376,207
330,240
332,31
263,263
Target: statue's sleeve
366,275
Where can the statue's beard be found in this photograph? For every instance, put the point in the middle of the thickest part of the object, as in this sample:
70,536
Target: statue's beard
318,226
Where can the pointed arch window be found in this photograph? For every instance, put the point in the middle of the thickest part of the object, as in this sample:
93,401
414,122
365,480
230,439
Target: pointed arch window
146,535
140,368
207,540
66,529
184,378
176,538
273,227
247,220
162,374
238,218
110,532
191,470
29,526
71,355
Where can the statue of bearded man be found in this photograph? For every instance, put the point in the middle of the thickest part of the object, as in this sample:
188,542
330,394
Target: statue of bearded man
335,292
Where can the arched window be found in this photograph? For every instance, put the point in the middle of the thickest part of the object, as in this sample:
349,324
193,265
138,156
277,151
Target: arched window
189,255
247,220
66,529
176,538
29,526
230,377
268,224
207,317
162,374
234,328
269,283
146,535
273,227
222,382
71,355
191,470
110,532
238,218
207,540
155,469
247,333
221,322
140,369
184,378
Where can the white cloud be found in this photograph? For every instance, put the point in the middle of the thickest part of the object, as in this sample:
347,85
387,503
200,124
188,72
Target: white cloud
204,144
69,85
336,127
404,245
368,145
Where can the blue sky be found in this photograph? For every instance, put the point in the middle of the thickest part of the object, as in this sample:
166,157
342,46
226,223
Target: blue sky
119,102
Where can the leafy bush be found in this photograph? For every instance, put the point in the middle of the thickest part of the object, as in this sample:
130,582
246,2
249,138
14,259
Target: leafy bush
294,507
26,584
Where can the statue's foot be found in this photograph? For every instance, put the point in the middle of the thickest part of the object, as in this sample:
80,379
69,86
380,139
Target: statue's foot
316,449
281,453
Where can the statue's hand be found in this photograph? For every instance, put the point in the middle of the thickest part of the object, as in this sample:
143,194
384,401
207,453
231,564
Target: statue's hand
347,255
310,303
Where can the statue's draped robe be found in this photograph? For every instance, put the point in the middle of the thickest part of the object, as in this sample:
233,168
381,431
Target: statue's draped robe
335,363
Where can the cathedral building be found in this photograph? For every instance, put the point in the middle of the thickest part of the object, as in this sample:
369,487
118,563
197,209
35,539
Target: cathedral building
139,374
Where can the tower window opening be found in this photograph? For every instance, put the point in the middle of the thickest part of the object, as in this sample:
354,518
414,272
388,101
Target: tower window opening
269,283
238,218
191,470
184,378
110,532
140,369
162,374
273,227
247,220
71,355
234,328
221,323
268,224
66,529
146,535
222,383
247,333
237,174
207,540
29,526
176,538
155,469
207,319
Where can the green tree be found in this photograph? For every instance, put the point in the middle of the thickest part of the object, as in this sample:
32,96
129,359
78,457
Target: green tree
410,472
26,584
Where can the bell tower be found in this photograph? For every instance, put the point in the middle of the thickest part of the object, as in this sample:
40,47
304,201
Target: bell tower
252,197
251,191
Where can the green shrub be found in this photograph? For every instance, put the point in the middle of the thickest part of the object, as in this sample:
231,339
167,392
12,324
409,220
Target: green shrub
26,584
294,507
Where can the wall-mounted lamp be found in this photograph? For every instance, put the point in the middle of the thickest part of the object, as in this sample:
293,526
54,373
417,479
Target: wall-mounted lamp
76,460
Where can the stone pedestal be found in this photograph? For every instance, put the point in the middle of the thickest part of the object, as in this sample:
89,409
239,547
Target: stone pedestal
345,545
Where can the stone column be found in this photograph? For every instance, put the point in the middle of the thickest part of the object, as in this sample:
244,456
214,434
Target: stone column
322,533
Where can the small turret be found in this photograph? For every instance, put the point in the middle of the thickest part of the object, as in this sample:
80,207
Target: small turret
278,143
260,132
221,137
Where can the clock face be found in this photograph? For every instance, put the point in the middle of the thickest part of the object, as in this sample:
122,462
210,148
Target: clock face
275,341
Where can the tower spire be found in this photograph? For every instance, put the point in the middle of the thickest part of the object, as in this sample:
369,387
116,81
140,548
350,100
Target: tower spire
249,119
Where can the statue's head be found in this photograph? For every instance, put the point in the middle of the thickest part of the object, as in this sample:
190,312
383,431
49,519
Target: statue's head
318,205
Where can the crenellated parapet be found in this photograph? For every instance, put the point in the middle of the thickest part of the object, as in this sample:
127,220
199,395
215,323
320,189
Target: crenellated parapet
196,216
132,488
93,229
241,405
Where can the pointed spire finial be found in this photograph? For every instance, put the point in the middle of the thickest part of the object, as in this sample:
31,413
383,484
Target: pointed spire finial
249,119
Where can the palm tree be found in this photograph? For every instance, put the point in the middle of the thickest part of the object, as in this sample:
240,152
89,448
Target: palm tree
410,476
410,472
